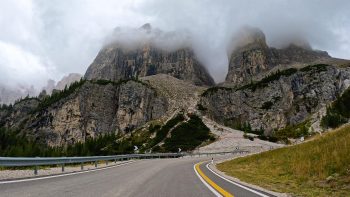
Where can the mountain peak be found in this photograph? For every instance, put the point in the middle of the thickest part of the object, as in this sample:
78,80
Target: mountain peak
146,26
248,37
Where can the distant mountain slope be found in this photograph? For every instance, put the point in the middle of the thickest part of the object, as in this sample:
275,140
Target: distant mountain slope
9,95
270,89
86,109
252,58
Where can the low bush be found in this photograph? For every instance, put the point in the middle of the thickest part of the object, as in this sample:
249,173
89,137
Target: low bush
316,68
188,135
267,105
339,111
163,131
293,131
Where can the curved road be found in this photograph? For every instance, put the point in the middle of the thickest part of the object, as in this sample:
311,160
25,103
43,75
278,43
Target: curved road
157,177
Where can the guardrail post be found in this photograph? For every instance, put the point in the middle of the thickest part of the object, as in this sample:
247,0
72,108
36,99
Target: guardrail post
81,166
106,162
35,170
95,164
63,167
115,160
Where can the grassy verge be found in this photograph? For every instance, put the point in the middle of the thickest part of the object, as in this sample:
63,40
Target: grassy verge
320,167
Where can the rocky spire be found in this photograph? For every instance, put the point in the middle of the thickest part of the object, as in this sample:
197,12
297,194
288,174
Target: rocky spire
251,58
115,62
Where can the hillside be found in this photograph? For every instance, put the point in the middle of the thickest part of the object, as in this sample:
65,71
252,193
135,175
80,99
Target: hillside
274,94
316,168
269,89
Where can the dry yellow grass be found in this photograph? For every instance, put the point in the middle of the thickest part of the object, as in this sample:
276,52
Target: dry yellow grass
320,167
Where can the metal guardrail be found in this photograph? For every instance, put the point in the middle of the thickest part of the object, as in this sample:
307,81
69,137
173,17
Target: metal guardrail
41,161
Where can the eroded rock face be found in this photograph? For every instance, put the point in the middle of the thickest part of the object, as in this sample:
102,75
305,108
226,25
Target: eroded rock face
117,63
287,100
252,59
95,109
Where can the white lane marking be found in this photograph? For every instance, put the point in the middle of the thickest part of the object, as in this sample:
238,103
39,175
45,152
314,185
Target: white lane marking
205,183
60,175
237,184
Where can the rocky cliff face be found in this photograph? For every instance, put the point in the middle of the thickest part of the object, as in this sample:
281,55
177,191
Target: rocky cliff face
252,59
118,62
115,63
94,108
285,98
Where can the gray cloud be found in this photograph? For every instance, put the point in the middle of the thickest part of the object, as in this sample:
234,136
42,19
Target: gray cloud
46,39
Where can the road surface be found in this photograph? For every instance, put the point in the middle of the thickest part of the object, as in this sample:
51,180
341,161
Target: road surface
157,177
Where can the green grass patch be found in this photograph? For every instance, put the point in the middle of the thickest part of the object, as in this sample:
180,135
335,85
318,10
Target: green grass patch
320,167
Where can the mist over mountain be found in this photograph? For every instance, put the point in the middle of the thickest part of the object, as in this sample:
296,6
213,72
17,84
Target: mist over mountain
42,38
10,94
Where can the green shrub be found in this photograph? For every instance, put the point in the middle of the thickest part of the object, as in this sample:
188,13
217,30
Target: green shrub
267,105
339,112
332,120
188,135
293,131
163,131
201,107
316,68
154,127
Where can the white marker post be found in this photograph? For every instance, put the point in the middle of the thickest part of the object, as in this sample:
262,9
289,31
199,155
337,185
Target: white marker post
136,149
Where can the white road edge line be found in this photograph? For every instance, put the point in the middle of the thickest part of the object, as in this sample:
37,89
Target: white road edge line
237,184
205,183
60,175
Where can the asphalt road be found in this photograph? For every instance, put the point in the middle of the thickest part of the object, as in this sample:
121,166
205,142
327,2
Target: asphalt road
158,177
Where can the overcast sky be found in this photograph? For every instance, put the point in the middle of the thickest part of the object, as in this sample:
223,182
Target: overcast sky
42,39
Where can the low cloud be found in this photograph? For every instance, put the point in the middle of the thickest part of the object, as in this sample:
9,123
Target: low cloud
48,39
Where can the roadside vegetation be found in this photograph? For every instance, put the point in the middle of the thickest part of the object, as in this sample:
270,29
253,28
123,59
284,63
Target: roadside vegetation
185,135
13,144
293,131
320,167
338,112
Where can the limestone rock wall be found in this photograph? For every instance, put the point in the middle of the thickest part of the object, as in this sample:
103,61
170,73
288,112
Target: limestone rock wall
92,110
116,63
288,100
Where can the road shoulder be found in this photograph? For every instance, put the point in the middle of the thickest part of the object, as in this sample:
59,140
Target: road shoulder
213,167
